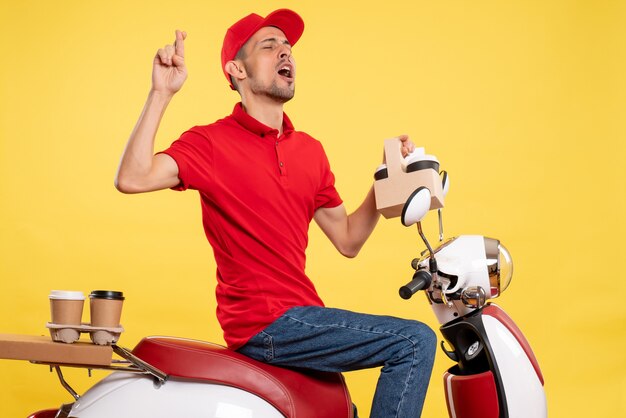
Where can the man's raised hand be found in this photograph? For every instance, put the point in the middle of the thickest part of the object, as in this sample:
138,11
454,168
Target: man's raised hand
169,71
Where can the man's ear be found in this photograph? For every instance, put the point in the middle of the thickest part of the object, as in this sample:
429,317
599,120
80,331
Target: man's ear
236,70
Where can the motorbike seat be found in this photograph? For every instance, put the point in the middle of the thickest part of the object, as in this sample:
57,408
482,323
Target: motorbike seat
294,393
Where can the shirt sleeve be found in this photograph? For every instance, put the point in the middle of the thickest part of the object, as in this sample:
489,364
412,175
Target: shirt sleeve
192,153
327,196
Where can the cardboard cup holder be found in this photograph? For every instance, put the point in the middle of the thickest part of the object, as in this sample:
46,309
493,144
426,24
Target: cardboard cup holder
66,309
71,333
395,183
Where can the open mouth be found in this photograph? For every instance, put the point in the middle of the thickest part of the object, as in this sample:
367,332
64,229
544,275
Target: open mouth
286,71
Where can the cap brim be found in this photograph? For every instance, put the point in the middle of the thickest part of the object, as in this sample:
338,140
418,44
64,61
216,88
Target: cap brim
287,21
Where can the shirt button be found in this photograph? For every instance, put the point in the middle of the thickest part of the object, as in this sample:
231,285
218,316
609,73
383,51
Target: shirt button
276,143
281,164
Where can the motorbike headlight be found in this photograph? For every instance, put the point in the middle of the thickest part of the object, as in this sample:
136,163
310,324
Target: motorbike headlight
499,266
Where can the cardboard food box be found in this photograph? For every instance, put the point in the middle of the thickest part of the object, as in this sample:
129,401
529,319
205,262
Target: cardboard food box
42,349
392,192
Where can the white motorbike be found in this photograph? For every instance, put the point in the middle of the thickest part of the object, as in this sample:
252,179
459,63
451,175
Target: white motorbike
495,374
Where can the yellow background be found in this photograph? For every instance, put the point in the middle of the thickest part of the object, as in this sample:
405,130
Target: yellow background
522,101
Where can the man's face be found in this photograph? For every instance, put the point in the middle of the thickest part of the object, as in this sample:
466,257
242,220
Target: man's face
269,66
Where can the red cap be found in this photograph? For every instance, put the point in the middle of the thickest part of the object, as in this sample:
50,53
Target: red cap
238,34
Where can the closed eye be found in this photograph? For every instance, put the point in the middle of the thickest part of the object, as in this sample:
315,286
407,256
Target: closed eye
271,43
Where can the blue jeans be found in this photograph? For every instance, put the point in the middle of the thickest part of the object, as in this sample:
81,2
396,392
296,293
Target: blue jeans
335,340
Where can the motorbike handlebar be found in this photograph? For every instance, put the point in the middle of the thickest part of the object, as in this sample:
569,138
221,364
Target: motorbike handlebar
421,280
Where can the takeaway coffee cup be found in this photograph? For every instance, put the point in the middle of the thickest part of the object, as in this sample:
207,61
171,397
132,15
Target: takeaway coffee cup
66,307
106,308
381,172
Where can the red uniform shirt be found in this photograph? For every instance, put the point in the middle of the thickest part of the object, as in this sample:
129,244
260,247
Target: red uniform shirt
259,193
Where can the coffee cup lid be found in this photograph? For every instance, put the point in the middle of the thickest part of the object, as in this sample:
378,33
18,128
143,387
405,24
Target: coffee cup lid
66,295
421,157
107,294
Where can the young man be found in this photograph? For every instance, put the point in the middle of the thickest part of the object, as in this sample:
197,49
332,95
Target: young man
261,183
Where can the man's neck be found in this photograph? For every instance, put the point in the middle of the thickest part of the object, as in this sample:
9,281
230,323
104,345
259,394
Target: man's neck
265,110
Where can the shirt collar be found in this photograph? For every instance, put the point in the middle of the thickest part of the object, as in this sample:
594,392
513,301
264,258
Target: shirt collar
256,127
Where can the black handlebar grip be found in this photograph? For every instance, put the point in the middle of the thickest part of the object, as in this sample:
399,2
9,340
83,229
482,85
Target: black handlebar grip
421,280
